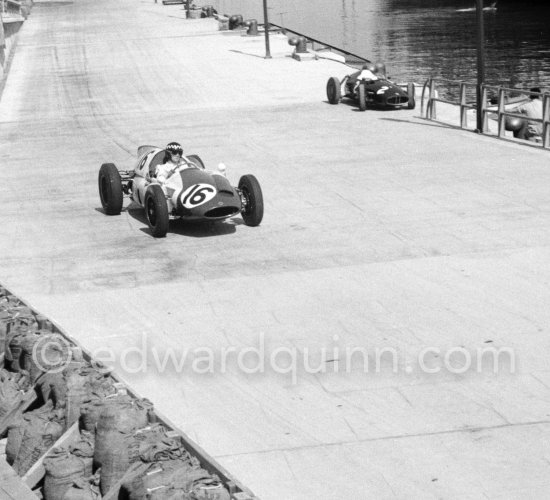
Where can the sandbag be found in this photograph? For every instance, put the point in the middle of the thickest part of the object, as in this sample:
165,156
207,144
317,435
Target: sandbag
89,413
15,436
52,387
157,475
84,449
12,387
125,450
214,492
27,361
84,489
13,351
17,428
120,414
44,352
199,484
77,391
4,316
62,469
40,433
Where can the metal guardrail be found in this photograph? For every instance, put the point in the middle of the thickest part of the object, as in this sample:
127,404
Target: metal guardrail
429,104
502,113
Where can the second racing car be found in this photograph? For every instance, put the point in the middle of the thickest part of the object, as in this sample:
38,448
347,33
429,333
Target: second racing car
369,88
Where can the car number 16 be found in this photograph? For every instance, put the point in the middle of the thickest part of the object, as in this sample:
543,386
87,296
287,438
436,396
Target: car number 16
197,194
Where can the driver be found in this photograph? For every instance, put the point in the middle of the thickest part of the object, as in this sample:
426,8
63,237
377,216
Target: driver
173,160
367,73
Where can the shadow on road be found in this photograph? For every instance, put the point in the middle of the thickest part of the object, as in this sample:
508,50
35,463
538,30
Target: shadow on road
195,229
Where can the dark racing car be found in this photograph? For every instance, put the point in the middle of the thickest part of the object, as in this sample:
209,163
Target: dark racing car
370,89
190,193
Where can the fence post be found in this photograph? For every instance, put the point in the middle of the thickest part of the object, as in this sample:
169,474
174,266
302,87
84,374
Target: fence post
484,118
433,111
501,120
463,110
545,119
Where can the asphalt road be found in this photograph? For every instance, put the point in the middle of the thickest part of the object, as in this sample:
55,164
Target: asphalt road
385,235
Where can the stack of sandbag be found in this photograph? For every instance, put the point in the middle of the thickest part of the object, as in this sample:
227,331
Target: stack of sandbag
181,479
75,388
32,435
167,470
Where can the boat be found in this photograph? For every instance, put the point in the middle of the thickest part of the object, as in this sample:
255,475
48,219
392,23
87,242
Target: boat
490,8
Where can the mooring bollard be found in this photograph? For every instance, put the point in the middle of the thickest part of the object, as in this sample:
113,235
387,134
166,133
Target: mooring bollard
252,25
235,21
208,11
300,43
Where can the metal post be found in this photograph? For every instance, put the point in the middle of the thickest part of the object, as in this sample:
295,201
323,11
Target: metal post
266,28
463,108
187,7
480,64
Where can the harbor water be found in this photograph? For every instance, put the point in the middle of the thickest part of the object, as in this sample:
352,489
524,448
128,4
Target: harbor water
418,39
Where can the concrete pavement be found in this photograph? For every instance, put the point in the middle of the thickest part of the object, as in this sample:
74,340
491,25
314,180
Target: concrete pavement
383,232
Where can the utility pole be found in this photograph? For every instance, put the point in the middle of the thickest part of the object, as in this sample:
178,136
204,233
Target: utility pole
480,63
266,28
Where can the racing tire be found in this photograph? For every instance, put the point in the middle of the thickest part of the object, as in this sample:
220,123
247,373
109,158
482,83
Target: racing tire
156,211
253,211
110,189
197,161
362,95
333,90
410,92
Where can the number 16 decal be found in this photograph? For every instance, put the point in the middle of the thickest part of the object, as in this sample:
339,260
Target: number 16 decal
197,194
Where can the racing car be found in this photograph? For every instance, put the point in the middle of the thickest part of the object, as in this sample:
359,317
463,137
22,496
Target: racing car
191,193
369,92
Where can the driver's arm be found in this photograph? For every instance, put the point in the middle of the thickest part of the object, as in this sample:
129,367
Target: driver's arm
162,174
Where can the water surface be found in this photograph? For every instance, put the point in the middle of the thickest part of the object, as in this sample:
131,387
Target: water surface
422,38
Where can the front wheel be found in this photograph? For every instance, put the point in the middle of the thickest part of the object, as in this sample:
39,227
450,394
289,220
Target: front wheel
362,94
253,201
410,92
110,189
333,90
156,211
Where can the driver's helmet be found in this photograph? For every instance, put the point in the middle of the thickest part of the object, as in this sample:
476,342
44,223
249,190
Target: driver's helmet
369,66
174,148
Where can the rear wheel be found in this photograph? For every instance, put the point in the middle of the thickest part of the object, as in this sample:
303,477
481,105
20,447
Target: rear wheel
156,211
110,189
362,95
196,160
410,92
333,90
253,201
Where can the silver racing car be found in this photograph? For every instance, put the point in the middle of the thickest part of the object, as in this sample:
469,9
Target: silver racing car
191,193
